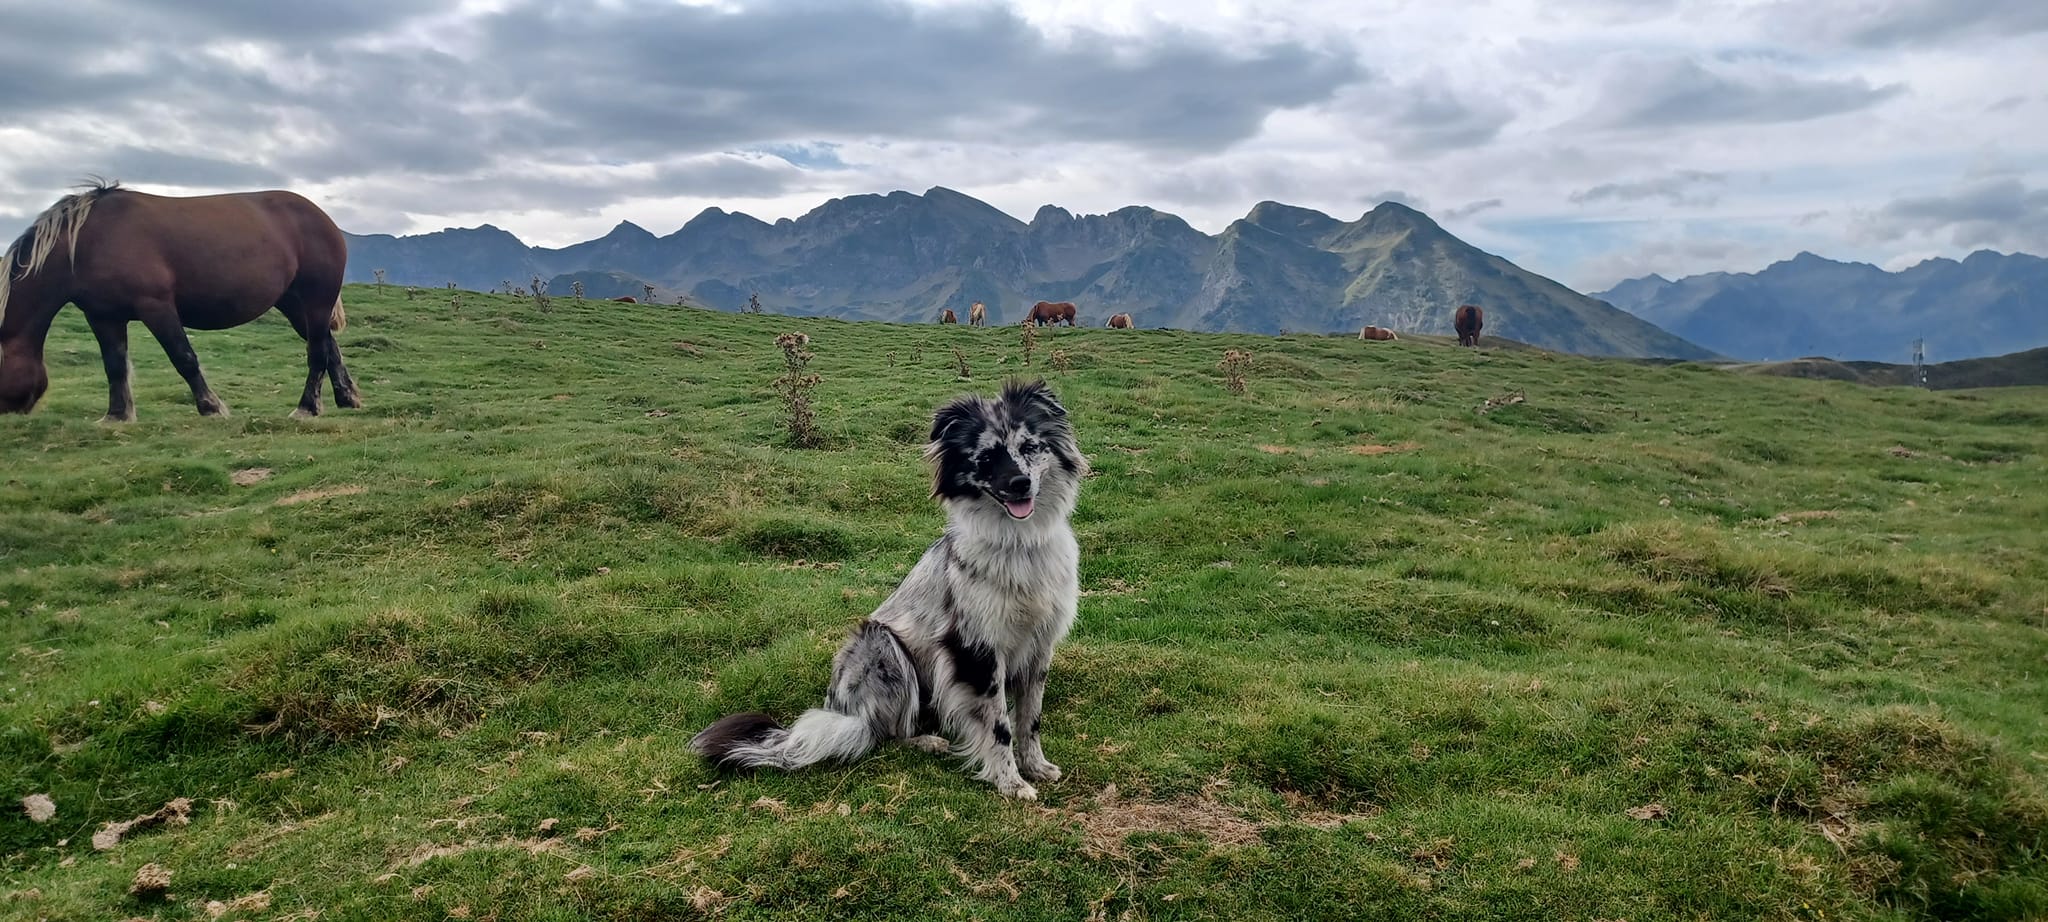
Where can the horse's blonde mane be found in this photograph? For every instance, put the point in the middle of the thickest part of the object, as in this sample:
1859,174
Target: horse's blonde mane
63,219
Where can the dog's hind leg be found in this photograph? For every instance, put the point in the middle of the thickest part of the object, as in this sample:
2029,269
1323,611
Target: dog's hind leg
873,697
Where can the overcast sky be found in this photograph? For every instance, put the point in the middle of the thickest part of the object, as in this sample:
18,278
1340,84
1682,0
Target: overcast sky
1588,140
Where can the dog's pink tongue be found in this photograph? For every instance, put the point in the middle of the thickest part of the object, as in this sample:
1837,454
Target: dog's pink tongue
1019,509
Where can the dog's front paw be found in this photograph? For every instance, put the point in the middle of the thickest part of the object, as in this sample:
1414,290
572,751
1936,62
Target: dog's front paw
1019,788
1040,770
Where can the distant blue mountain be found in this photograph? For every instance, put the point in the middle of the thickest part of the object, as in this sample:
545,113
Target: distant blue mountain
1987,304
904,257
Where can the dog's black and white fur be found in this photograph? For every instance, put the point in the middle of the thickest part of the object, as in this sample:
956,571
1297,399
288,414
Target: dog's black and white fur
963,644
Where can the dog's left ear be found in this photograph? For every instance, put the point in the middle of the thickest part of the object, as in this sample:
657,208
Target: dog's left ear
1033,397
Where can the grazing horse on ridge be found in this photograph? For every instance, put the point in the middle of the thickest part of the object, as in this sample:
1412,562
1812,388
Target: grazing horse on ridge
207,262
946,316
626,299
1120,322
1380,334
1467,322
1052,312
977,315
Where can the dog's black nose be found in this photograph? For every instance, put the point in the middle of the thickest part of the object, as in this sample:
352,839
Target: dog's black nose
1018,485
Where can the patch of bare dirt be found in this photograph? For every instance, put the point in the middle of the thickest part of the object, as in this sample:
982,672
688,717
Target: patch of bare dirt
250,475
429,852
1371,450
320,493
249,903
1111,820
176,813
1787,518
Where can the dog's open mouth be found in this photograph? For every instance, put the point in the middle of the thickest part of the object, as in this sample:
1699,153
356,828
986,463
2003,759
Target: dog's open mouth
1018,508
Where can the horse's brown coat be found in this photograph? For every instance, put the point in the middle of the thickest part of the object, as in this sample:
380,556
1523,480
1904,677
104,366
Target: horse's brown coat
1378,334
206,262
1121,322
1468,322
1052,312
946,316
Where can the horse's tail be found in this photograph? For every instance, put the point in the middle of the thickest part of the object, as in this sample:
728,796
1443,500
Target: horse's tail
339,321
874,697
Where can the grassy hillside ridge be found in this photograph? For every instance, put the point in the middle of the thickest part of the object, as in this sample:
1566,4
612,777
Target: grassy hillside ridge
1347,645
2017,369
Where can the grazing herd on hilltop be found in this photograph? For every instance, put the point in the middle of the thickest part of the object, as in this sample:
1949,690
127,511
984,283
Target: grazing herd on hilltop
216,261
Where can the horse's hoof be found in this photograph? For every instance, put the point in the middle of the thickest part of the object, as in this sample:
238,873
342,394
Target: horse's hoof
110,419
303,413
218,409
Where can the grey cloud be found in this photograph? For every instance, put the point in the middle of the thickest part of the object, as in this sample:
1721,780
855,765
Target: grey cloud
1468,210
633,82
1422,118
672,74
2005,213
1672,188
148,165
1887,24
1670,93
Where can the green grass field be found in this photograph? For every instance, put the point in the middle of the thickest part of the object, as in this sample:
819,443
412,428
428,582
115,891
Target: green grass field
1654,643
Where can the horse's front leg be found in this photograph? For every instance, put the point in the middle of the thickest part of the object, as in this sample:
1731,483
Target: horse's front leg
162,321
113,337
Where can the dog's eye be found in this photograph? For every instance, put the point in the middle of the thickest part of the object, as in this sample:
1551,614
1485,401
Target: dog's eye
1032,448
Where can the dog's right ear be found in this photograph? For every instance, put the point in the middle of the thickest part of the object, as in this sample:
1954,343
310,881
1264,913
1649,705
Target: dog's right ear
954,420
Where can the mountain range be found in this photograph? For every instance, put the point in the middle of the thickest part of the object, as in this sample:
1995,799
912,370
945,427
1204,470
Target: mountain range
902,257
1986,304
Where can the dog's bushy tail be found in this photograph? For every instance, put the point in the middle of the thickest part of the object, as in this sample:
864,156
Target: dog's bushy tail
874,697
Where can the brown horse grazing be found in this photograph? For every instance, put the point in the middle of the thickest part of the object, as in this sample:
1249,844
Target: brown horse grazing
209,262
977,315
1468,321
946,316
1052,312
1377,334
1120,322
627,299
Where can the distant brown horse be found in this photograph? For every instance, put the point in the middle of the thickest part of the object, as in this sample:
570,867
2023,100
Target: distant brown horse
627,299
209,262
1468,321
1052,312
977,315
1378,334
946,316
1120,322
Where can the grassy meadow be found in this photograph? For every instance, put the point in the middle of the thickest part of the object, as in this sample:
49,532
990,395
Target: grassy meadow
1370,640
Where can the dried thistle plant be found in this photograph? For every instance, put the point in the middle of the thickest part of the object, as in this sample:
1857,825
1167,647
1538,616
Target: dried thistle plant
1236,364
794,386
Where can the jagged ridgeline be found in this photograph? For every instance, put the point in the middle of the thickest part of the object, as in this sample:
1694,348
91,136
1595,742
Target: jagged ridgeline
903,257
1986,304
